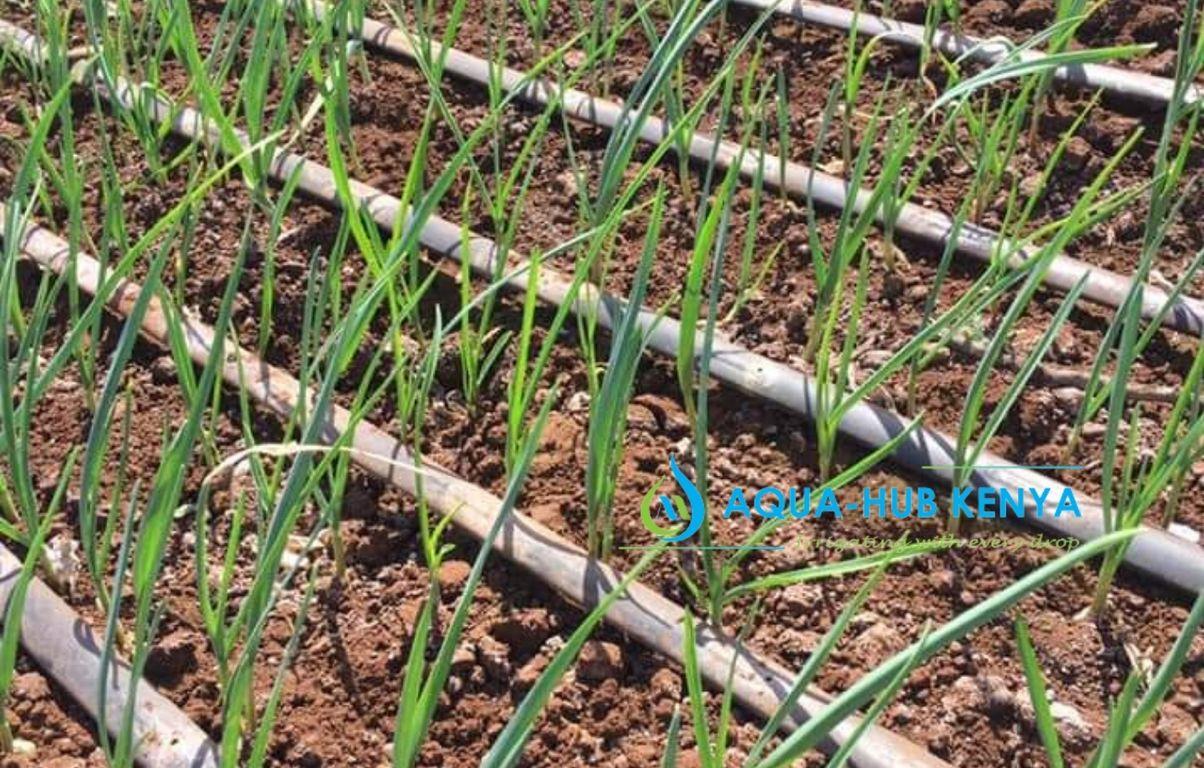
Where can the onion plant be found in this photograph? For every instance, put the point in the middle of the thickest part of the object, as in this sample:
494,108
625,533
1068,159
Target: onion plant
994,123
297,487
688,21
480,345
751,276
710,750
85,317
16,414
880,685
236,634
519,394
1068,17
504,191
23,520
423,684
971,441
130,44
535,13
599,47
1018,214
144,542
64,172
237,639
332,72
1125,500
618,189
243,630
507,748
141,554
855,64
782,109
815,662
694,355
1038,695
1129,713
883,677
850,251
608,410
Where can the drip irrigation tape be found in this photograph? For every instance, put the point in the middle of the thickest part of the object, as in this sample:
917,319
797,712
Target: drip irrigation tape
1102,286
1167,557
66,649
1117,80
655,621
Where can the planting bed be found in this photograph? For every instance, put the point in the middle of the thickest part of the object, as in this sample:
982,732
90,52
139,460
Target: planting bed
968,706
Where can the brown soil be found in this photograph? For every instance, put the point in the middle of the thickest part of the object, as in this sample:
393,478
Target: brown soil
968,705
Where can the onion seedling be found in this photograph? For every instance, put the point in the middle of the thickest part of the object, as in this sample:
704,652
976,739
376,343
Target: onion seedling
709,244
536,14
1038,695
850,249
423,685
815,662
971,442
749,280
1068,17
1129,713
608,410
64,172
16,414
711,752
144,542
1125,333
507,748
873,683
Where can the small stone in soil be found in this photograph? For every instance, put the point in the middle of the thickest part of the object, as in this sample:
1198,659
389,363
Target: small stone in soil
1071,722
530,672
163,370
31,686
990,10
800,599
453,573
525,630
1175,724
599,660
999,698
23,748
1077,153
944,580
1034,13
909,10
1031,185
172,656
878,643
579,402
1154,22
641,418
464,657
666,684
798,641
493,656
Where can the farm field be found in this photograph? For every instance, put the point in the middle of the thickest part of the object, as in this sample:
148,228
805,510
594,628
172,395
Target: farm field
214,207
